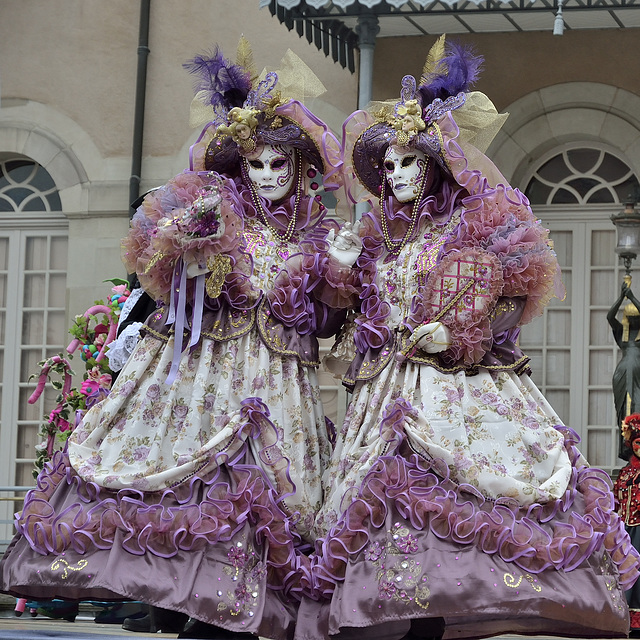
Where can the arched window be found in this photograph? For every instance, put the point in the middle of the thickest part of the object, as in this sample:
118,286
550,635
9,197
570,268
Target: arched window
581,176
26,186
33,282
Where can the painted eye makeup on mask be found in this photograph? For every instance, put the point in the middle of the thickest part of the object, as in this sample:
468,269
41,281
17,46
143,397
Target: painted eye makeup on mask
278,164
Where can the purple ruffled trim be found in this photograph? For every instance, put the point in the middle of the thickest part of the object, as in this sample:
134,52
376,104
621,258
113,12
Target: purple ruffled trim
334,284
290,302
293,296
422,491
201,511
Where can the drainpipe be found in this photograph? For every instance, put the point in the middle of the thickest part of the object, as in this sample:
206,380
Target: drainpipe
141,87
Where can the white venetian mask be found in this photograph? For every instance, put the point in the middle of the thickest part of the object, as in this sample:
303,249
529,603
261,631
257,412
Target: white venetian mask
403,171
273,172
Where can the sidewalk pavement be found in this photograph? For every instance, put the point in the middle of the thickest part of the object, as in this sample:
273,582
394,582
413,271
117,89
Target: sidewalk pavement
84,628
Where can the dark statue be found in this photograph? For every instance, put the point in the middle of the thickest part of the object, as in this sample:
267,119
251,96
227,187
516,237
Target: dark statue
626,377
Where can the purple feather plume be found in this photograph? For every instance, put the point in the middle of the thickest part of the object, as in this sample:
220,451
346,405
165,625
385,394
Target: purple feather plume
226,84
463,68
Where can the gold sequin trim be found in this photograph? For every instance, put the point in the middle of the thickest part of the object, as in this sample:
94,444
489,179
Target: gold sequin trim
155,334
58,562
504,306
370,369
443,155
433,361
235,334
511,581
154,259
274,342
215,334
426,259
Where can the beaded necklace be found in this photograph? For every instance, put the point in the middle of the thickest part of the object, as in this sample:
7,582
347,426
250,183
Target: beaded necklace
394,247
257,202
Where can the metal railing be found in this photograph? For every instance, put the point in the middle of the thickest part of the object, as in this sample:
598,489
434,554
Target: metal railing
11,498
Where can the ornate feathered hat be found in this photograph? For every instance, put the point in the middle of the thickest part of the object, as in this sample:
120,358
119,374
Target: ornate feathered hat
631,428
431,113
412,121
244,111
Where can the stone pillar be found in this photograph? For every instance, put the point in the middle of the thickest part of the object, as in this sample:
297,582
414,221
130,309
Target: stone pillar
367,30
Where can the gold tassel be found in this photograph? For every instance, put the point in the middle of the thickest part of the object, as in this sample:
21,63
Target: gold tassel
433,65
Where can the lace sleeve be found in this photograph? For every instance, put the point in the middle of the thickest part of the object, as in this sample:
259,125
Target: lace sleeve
122,347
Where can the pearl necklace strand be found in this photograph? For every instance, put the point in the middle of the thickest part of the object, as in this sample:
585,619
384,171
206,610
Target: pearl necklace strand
394,247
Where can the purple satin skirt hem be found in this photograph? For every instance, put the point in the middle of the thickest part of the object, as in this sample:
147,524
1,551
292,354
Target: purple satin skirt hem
389,587
203,585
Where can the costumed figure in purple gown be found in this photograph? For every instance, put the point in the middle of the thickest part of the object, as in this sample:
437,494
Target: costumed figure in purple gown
456,501
194,486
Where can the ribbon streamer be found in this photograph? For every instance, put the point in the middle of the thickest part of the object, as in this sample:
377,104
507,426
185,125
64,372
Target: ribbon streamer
179,313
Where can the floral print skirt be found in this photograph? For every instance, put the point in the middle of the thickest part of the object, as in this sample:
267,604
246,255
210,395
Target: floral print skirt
463,500
196,496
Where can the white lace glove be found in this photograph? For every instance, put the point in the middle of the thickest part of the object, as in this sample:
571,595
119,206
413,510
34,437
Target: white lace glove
346,246
432,338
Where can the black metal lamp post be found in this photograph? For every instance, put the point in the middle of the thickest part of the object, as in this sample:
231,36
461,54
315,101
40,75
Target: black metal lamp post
627,224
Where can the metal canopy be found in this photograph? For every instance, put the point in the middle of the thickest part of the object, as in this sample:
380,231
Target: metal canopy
336,26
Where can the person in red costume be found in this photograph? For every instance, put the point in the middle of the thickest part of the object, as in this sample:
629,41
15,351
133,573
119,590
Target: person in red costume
626,491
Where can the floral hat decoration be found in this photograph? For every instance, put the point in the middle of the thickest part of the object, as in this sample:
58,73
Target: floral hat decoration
412,122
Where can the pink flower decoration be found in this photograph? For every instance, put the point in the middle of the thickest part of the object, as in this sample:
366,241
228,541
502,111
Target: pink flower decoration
88,387
101,379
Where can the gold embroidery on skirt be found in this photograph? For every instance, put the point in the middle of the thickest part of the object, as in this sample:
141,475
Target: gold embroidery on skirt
511,581
58,562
